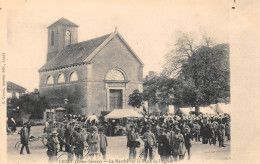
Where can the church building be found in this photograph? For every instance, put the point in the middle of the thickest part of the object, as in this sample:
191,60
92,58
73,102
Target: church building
90,76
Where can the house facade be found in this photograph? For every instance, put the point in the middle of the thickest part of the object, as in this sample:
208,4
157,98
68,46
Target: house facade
91,76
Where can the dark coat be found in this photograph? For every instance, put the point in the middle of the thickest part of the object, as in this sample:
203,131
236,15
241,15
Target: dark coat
52,146
163,145
24,135
131,138
187,138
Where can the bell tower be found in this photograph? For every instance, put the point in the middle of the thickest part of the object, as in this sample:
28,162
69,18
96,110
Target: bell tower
61,34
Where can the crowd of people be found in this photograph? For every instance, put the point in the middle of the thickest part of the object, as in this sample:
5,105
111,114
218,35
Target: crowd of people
168,135
75,138
172,135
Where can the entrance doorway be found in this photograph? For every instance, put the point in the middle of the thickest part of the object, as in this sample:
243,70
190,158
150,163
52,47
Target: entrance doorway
115,99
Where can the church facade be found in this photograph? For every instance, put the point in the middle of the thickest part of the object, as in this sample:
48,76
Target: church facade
91,76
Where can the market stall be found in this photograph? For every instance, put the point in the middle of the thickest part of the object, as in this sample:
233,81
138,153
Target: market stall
118,118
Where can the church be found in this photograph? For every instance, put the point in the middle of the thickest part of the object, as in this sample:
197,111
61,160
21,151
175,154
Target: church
90,76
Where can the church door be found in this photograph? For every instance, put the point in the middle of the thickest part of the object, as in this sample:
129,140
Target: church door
115,99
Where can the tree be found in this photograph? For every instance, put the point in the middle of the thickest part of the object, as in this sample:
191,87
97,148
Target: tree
31,104
136,99
201,72
206,74
183,49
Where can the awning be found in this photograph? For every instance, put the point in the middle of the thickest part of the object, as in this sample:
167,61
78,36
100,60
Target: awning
60,109
207,110
123,113
224,108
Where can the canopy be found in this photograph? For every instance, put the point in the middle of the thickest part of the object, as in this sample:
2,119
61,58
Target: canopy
122,113
224,108
207,110
186,111
60,109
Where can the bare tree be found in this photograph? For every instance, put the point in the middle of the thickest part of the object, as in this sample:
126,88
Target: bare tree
183,49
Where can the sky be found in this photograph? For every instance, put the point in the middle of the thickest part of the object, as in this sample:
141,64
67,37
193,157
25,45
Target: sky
149,28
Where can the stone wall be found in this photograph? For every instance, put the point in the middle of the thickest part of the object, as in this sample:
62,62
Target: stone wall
75,92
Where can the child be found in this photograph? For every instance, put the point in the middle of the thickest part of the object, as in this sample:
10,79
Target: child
103,143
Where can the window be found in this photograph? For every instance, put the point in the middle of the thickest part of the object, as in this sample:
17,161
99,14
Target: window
52,38
115,74
49,80
61,78
73,76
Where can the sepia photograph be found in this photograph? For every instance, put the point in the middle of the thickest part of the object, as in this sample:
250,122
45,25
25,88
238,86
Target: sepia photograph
118,82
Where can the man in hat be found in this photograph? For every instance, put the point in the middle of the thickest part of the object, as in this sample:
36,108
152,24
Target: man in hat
149,143
197,131
78,143
67,135
178,145
163,145
93,140
52,147
221,133
24,138
131,139
61,131
187,140
103,142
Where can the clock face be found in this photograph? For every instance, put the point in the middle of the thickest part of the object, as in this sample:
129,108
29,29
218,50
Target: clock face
67,35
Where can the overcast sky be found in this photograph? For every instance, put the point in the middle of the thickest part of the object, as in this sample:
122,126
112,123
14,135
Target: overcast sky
148,28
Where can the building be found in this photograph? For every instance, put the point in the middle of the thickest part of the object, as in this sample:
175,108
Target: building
91,76
14,90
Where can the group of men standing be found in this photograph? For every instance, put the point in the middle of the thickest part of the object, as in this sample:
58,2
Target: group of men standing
169,144
173,137
75,139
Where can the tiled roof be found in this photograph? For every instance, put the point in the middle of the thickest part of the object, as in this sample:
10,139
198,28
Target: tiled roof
12,87
73,54
63,21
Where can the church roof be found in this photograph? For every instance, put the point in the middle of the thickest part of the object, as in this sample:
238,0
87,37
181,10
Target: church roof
73,54
83,52
63,21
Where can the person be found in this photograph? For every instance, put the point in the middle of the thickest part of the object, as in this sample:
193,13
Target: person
221,134
215,129
14,126
93,140
67,134
197,132
149,143
131,140
187,140
228,129
47,129
52,143
79,144
212,134
60,132
29,128
24,136
103,143
178,145
163,145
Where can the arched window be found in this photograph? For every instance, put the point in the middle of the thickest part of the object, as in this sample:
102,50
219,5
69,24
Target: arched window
115,74
73,76
52,38
49,80
61,78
